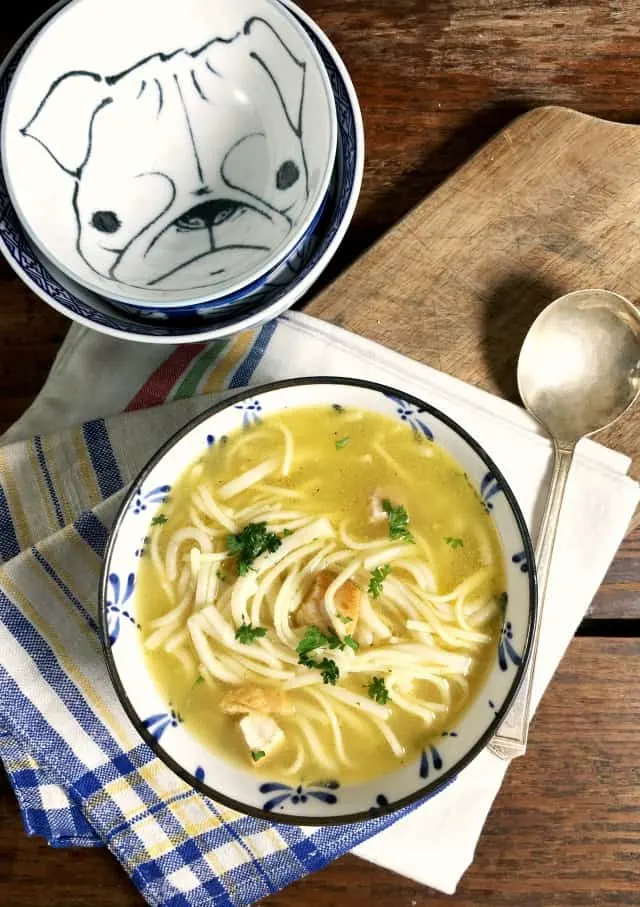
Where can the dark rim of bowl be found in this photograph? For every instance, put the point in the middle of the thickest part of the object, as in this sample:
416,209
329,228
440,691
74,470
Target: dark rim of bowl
420,793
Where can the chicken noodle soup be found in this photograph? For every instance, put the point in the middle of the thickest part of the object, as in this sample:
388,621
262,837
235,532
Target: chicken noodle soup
321,595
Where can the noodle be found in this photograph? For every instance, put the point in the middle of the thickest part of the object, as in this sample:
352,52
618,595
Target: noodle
205,502
335,727
189,533
247,479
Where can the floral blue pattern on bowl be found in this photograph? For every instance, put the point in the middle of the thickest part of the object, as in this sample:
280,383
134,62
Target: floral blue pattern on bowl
281,794
116,606
325,800
278,293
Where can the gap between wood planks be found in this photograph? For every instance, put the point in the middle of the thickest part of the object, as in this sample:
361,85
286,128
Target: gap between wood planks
626,628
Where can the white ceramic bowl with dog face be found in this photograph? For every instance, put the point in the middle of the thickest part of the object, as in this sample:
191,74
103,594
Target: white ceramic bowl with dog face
160,722
169,152
291,280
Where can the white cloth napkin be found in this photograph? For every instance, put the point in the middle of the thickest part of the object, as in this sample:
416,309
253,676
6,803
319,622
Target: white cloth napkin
600,501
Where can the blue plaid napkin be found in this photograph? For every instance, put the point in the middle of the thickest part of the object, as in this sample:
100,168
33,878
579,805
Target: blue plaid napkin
81,774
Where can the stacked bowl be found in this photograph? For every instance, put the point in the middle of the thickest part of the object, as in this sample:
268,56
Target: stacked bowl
175,172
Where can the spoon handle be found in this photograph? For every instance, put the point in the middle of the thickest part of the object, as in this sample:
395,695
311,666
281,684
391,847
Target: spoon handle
511,739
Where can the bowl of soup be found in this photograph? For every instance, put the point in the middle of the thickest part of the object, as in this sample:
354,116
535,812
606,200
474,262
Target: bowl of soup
317,601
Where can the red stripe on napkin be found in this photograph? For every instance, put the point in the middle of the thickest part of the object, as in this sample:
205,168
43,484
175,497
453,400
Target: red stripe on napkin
156,389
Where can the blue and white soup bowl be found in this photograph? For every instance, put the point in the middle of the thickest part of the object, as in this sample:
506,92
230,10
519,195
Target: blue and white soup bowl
326,801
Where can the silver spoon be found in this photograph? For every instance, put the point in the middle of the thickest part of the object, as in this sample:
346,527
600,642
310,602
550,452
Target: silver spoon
578,371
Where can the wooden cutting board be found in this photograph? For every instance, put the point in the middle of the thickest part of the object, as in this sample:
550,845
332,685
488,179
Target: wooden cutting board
550,205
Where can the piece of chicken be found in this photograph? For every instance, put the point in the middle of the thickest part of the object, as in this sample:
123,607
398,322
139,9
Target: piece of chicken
347,602
248,698
261,734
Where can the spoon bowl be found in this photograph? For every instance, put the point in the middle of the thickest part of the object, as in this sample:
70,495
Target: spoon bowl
579,367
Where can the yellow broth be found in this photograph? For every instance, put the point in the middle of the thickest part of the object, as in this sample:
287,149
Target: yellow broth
337,465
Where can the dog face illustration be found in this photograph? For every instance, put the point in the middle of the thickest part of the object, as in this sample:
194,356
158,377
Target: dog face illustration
188,166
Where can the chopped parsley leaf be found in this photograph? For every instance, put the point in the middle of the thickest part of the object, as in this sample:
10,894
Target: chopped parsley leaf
246,633
328,668
454,543
398,521
250,543
328,671
342,442
345,619
159,520
378,576
199,679
221,576
377,690
286,532
314,638
257,755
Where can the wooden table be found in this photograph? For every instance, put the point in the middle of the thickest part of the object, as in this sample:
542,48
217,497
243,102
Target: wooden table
436,79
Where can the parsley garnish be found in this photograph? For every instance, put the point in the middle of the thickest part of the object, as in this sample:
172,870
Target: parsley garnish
398,521
377,690
159,520
345,619
328,671
196,683
246,633
314,638
257,755
221,576
342,442
378,576
328,668
286,532
454,543
249,544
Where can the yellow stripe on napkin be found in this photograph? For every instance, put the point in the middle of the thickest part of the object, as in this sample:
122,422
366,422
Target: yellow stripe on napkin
14,501
223,369
85,469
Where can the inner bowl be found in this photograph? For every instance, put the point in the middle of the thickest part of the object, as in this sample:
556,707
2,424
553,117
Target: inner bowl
290,281
327,798
185,150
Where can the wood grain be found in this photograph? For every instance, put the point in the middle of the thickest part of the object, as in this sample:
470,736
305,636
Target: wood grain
436,81
549,205
565,828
